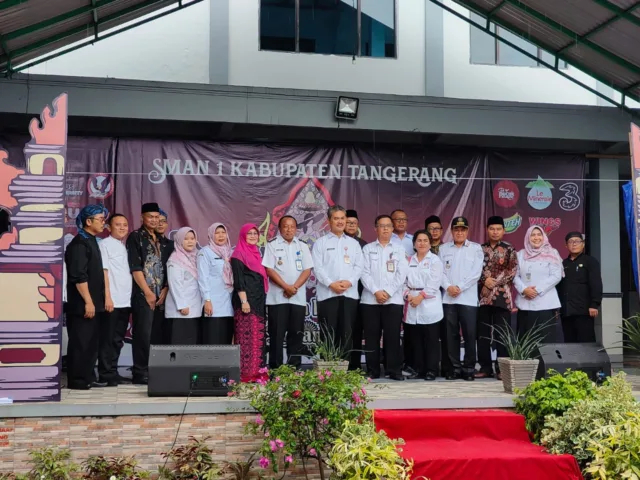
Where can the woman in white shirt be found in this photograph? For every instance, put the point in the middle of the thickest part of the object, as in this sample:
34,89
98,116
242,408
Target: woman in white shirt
184,303
424,306
539,271
215,279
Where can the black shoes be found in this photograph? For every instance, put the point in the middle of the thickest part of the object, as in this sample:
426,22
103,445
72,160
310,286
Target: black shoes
468,378
398,378
140,380
453,376
429,377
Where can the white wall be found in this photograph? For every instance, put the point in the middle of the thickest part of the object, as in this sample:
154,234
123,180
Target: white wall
402,76
491,82
174,48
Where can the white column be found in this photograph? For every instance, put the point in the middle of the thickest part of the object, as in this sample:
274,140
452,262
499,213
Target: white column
603,238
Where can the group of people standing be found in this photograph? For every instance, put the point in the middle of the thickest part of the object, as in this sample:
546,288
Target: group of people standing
179,294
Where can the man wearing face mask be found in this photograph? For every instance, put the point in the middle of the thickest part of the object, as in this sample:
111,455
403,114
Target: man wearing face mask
462,261
580,292
288,263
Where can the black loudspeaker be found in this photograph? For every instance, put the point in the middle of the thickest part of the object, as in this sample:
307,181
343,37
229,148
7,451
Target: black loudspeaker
202,370
590,358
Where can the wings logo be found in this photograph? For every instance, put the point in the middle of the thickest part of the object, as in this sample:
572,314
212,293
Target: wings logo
100,186
548,224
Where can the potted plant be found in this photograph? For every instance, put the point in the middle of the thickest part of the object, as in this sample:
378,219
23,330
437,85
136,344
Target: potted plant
328,353
519,369
362,453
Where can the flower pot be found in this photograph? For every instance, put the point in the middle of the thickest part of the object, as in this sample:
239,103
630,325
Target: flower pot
517,373
341,365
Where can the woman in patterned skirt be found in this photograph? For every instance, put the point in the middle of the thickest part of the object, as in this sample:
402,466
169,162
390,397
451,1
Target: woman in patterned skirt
250,286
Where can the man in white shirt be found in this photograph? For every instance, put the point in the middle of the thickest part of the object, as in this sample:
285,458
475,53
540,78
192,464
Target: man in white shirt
337,263
288,263
462,261
385,271
400,236
118,284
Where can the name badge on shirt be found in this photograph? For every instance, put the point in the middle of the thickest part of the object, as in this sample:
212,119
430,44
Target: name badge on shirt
391,267
347,260
528,275
447,264
299,265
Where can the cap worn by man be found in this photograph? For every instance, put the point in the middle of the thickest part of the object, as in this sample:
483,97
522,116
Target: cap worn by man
460,222
495,220
571,235
352,214
150,207
432,219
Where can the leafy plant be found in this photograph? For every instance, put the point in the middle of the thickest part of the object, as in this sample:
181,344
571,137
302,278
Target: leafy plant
240,470
13,476
362,453
193,461
327,347
572,432
552,396
616,452
302,413
98,467
631,333
521,346
52,463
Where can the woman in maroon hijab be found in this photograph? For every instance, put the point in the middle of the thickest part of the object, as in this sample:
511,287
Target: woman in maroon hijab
250,285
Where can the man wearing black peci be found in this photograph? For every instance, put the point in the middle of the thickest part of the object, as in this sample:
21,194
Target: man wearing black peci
148,260
580,292
85,298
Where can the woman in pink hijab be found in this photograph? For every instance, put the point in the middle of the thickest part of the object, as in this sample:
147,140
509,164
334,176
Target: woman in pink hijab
539,271
184,302
250,285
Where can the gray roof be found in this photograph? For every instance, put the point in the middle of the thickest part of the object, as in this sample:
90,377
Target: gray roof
33,31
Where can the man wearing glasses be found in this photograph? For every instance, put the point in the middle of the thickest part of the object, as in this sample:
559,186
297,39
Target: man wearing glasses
85,298
433,225
580,292
400,235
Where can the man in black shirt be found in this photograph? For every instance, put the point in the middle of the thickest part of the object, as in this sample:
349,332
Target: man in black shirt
85,298
161,332
355,359
148,257
580,292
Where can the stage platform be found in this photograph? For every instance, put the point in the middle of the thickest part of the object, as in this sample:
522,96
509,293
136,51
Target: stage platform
385,395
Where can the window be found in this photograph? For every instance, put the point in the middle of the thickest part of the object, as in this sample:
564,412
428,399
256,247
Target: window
336,27
487,50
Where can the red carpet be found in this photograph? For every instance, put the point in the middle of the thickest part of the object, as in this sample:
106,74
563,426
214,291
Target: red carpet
473,444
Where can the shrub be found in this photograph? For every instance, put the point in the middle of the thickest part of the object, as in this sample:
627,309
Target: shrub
302,413
572,432
552,396
616,453
193,461
104,468
362,453
52,463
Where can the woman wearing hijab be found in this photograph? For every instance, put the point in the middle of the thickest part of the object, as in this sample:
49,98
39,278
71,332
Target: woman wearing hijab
184,303
250,284
539,271
215,279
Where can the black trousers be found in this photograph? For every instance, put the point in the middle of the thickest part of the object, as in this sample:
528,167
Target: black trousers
529,319
337,315
143,320
462,317
578,329
285,320
382,321
113,328
161,328
409,352
82,350
186,331
216,330
446,367
425,346
488,318
357,335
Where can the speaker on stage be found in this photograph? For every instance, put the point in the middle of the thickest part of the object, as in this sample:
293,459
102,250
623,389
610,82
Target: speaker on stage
202,370
590,358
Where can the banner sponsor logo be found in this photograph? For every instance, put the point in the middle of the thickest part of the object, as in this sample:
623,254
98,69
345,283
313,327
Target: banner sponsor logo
506,194
634,143
539,196
100,186
571,199
423,176
548,224
512,223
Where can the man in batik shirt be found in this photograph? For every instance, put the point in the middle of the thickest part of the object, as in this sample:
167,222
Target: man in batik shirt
496,283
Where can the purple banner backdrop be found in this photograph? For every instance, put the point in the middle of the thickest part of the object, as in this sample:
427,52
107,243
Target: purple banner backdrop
199,183
538,190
